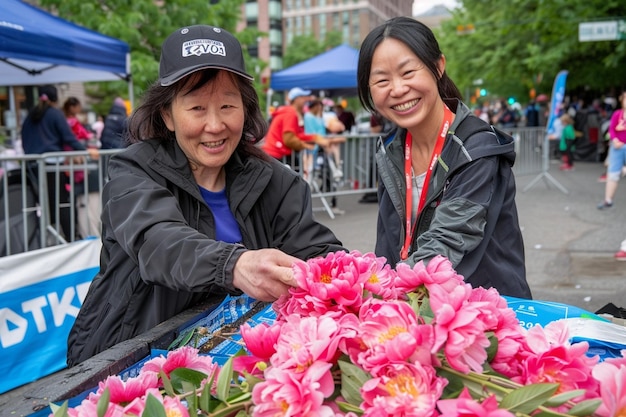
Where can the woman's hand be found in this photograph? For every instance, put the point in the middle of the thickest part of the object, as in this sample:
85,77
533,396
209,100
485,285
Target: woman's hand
264,274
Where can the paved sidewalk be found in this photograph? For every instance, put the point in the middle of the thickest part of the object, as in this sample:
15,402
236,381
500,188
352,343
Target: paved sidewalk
569,242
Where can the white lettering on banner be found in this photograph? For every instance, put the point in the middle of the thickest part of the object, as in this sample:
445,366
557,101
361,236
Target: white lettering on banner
13,326
63,308
12,337
35,307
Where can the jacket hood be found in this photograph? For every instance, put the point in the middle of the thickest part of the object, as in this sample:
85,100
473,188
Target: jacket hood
493,142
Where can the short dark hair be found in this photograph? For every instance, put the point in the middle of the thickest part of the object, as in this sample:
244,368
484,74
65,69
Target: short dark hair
419,39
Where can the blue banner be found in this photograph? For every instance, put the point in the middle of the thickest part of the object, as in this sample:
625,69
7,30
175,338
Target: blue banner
558,94
40,294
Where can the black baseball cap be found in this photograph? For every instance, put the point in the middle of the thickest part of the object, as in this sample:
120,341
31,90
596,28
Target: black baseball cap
194,48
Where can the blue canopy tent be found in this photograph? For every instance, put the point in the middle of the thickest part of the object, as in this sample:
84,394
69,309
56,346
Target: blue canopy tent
333,72
39,48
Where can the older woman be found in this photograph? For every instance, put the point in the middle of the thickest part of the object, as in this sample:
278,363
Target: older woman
193,210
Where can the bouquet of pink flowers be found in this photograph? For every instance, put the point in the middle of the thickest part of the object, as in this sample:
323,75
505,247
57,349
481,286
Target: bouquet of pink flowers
358,338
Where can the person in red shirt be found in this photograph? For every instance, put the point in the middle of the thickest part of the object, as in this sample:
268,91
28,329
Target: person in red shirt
286,130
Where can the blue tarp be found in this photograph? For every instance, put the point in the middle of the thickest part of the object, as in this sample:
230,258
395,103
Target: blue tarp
39,48
332,70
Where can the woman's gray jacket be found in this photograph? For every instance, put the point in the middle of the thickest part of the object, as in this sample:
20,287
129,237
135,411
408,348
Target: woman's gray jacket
470,215
159,256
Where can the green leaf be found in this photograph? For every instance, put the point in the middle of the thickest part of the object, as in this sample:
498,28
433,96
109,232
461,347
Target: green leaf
224,380
493,346
103,403
585,408
59,411
154,408
191,397
183,342
179,376
239,397
562,398
347,407
549,413
167,384
352,379
205,398
528,398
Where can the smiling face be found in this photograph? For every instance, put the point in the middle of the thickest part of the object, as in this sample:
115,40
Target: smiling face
208,125
402,88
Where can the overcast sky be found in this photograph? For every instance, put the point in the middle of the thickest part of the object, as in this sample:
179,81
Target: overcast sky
420,6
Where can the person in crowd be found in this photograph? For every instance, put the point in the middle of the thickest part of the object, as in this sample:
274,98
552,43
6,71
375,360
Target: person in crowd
379,125
313,124
568,142
72,107
286,130
97,128
328,158
87,200
334,127
505,116
112,136
44,130
193,209
531,114
446,186
616,158
345,116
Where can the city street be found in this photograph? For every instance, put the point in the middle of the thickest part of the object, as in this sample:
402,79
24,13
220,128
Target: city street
569,242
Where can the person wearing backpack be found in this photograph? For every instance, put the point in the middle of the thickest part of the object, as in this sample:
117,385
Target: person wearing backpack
460,198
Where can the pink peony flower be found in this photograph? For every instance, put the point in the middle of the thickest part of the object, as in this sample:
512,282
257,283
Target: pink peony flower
549,357
502,321
260,340
172,405
438,271
611,374
306,340
90,409
465,406
185,357
123,392
387,333
285,393
380,275
332,283
459,329
402,389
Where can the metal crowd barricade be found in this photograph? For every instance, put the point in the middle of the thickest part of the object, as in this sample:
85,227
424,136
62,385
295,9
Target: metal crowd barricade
532,147
31,196
357,165
31,185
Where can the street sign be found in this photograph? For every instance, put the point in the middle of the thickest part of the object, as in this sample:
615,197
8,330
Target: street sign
610,30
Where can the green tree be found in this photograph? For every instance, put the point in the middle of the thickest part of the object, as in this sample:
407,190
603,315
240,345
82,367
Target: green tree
144,25
517,45
304,47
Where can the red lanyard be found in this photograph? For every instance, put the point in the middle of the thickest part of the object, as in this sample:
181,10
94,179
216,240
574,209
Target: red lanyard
448,117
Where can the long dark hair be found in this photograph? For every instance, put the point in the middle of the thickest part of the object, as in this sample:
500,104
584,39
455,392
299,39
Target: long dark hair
146,122
419,39
47,97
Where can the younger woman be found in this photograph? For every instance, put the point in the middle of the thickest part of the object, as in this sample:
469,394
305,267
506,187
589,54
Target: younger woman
445,180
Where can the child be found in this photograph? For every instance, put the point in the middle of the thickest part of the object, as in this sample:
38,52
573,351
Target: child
568,139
